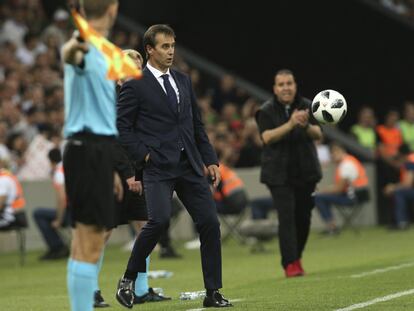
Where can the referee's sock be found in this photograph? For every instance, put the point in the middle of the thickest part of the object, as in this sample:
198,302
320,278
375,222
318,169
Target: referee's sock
141,283
81,280
98,269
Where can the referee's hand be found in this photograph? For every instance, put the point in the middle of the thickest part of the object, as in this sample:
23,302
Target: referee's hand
118,189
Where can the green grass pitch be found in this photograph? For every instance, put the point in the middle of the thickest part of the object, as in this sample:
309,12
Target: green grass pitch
256,281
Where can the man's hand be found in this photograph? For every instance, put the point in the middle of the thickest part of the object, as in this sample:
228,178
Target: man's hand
134,185
299,118
74,50
389,189
56,224
214,174
304,118
118,189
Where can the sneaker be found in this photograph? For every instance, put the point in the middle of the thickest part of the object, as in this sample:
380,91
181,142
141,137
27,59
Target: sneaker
216,300
99,302
151,296
293,270
125,293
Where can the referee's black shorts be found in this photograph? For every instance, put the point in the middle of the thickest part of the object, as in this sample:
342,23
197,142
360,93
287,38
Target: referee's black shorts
89,167
132,207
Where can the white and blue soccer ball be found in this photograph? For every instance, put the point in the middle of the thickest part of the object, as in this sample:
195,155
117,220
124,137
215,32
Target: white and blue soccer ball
329,107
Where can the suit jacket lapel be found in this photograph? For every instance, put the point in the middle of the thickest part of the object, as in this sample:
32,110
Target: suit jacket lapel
179,86
155,85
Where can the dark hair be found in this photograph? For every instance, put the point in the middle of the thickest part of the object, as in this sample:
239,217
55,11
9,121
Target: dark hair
151,33
54,155
284,72
335,144
96,8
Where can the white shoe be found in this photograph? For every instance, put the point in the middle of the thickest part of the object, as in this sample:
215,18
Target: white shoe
194,244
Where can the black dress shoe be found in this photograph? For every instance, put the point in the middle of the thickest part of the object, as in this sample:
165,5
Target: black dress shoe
216,300
169,252
151,296
125,293
99,302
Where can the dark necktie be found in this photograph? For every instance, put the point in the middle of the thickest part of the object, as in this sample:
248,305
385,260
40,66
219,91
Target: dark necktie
171,95
287,111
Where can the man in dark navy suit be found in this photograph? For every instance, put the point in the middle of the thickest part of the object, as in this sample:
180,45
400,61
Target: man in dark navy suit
160,126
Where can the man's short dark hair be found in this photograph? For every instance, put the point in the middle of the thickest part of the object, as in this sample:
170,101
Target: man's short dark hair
284,72
55,155
151,33
96,8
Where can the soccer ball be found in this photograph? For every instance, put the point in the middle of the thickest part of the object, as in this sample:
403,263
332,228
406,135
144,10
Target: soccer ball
329,107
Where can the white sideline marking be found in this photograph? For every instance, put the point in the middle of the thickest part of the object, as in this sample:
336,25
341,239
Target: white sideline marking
231,300
383,270
376,300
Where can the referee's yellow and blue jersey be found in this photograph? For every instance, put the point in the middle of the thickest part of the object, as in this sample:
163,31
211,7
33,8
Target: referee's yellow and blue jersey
89,97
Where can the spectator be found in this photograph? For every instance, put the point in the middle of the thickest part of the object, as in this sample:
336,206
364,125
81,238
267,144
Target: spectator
251,145
28,52
322,150
407,125
230,195
226,92
58,30
50,220
12,201
351,183
402,191
14,28
364,130
36,165
390,138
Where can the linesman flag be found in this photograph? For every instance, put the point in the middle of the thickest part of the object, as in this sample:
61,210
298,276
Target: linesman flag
120,65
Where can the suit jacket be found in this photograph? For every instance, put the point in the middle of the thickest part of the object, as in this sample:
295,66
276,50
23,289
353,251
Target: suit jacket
148,123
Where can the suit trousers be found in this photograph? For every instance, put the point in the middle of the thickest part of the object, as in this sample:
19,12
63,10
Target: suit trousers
294,206
194,192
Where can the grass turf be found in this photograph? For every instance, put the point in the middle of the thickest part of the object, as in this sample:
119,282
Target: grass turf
256,280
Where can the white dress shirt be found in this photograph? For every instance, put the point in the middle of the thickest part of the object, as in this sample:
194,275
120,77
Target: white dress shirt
158,75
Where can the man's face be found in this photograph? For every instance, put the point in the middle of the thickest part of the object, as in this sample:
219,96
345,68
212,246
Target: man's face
162,55
285,88
336,154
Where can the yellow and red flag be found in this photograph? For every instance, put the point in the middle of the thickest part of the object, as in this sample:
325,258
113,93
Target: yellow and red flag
120,65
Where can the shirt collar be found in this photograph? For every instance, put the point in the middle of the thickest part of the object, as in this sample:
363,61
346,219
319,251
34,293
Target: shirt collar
157,73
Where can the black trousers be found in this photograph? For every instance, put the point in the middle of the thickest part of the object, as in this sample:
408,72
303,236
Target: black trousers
195,194
294,206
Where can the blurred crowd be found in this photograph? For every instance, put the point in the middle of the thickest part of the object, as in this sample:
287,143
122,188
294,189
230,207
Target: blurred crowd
31,93
401,7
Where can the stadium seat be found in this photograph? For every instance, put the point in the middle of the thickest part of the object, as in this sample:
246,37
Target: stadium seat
260,231
349,213
19,226
231,223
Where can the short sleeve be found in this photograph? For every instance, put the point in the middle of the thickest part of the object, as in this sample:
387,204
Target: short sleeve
348,171
59,176
264,122
4,186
